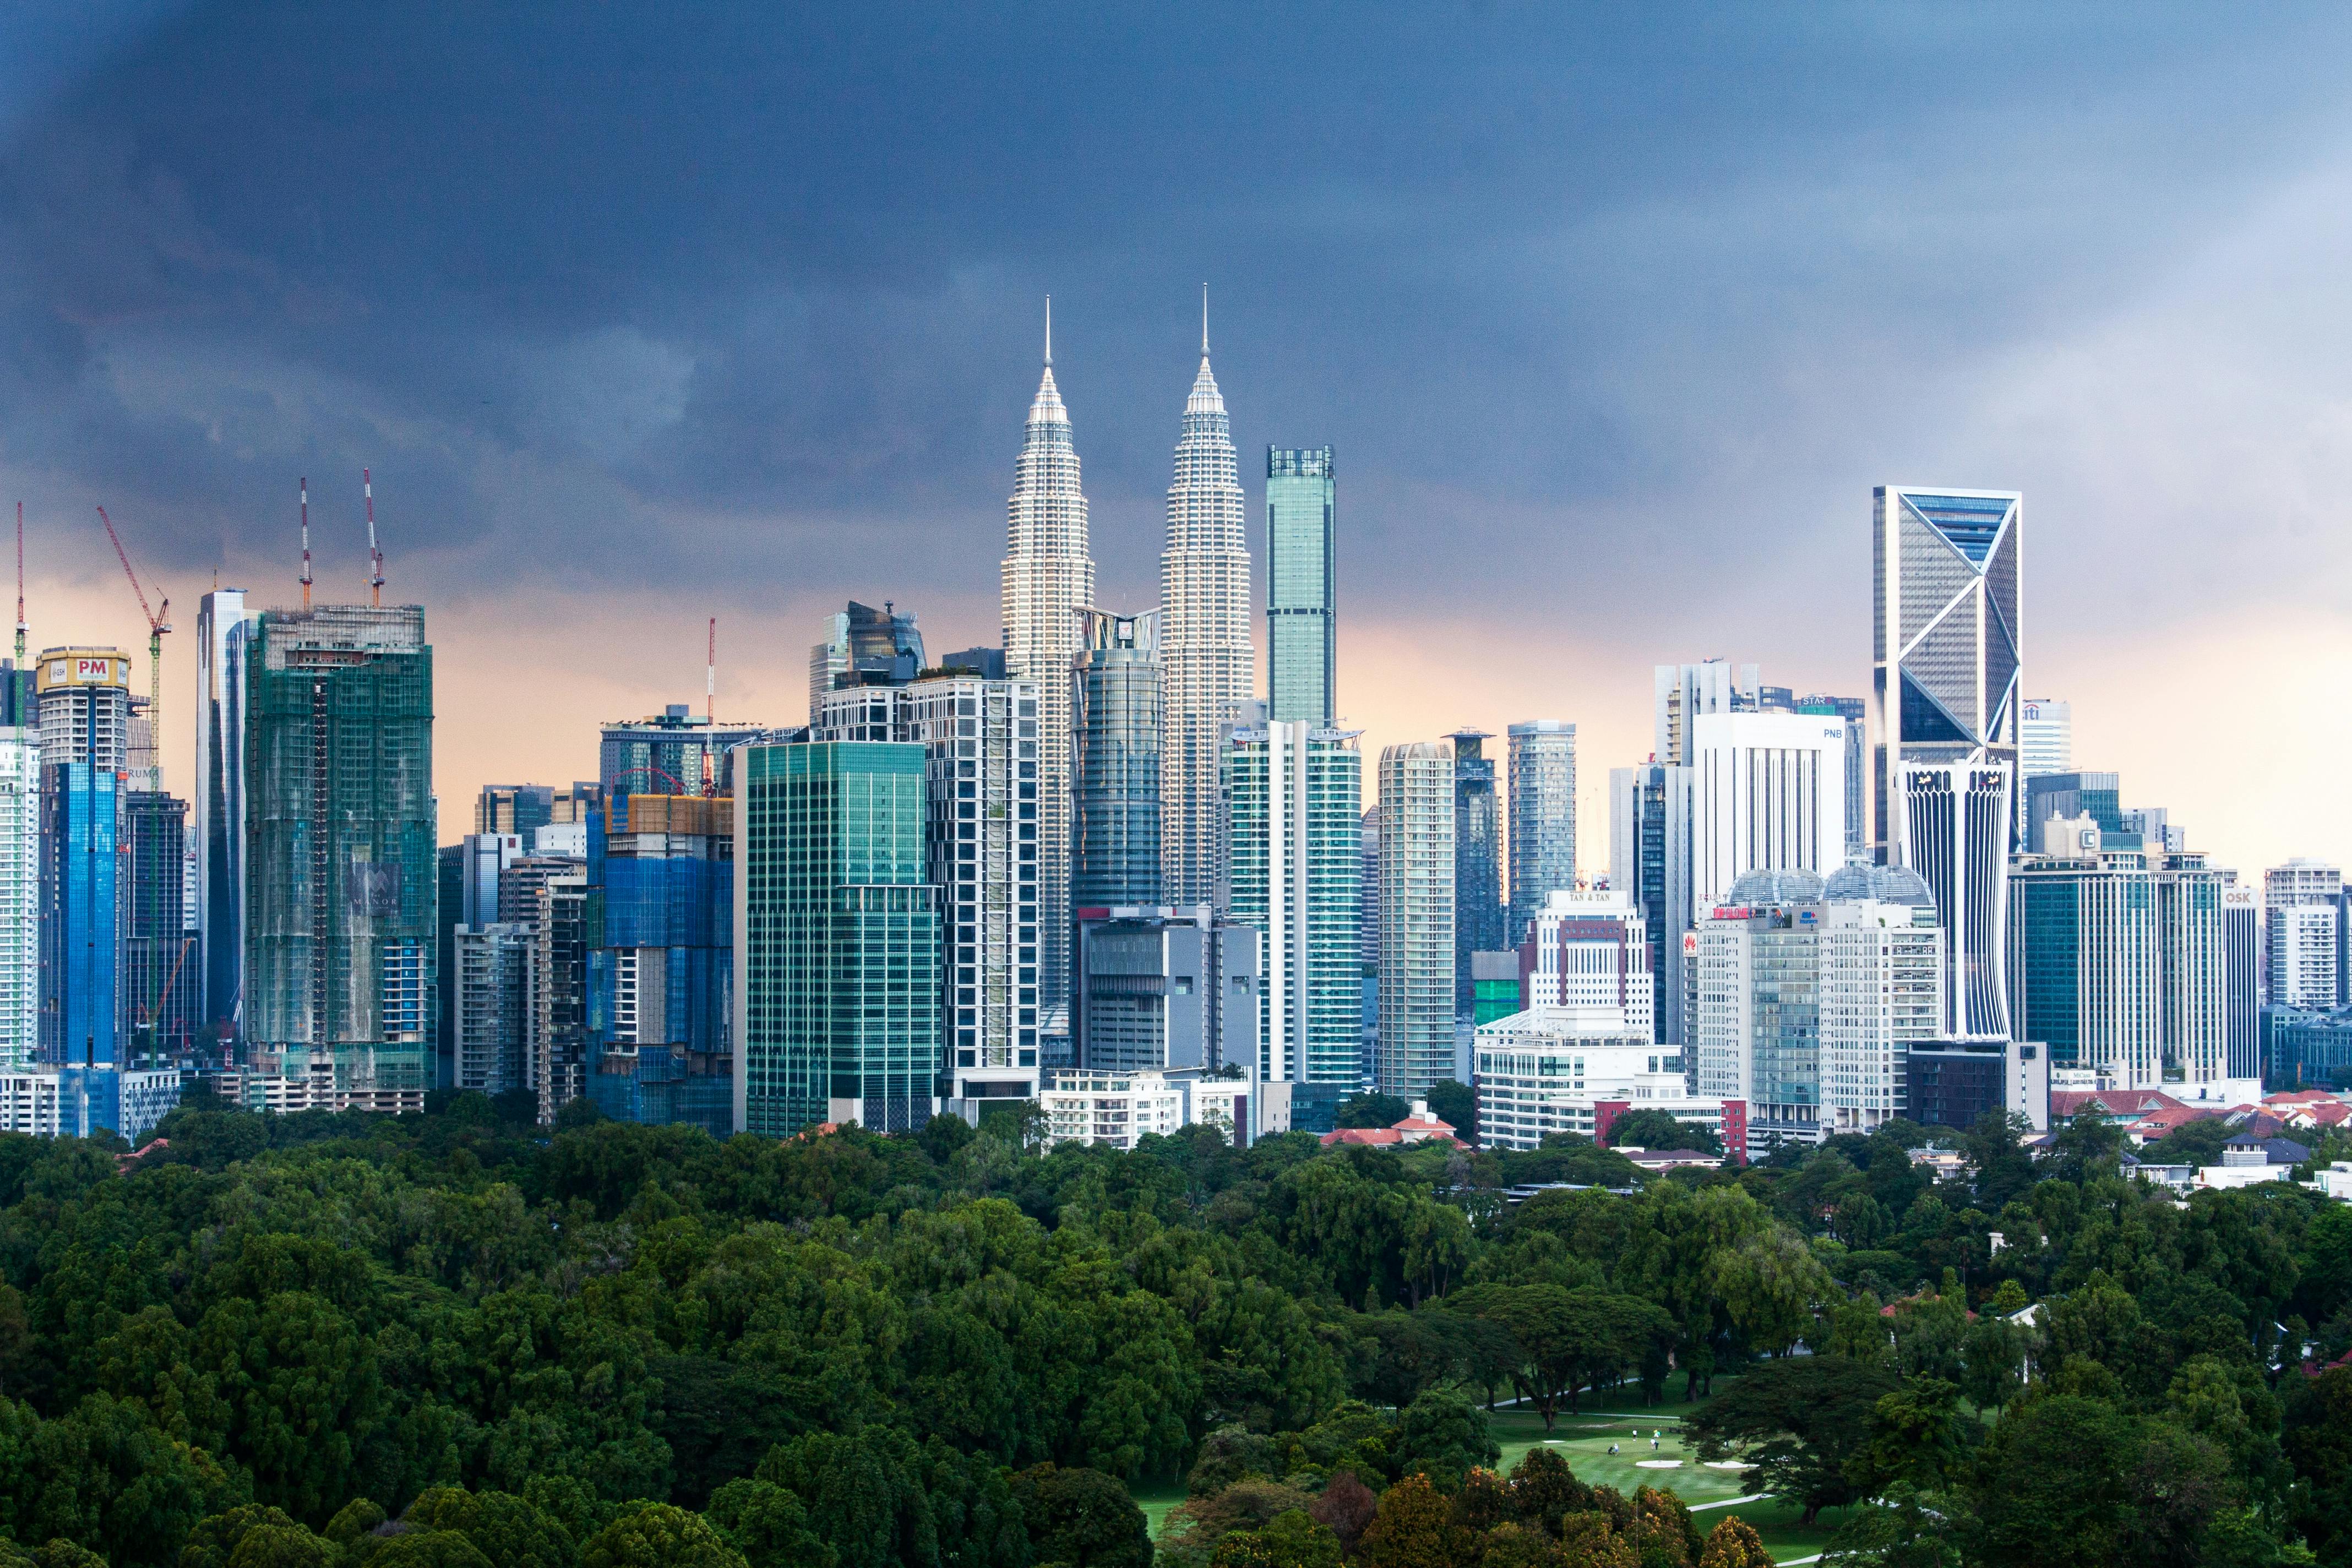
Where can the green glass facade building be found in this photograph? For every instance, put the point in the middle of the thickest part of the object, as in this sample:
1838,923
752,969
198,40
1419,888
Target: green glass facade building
342,872
837,980
1301,515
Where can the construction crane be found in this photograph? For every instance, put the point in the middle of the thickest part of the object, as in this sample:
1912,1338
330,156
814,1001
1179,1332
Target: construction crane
375,556
154,1009
159,621
710,711
305,546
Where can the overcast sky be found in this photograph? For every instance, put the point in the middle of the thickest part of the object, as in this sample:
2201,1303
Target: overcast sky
1613,315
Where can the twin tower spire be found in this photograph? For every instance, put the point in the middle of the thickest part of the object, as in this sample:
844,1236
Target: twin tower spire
1208,665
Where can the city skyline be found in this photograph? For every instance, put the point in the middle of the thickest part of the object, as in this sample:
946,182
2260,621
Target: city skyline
568,448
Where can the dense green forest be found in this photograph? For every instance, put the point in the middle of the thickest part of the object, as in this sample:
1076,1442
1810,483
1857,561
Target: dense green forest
457,1341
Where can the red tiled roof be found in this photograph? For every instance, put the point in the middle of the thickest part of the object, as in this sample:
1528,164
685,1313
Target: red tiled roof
1378,1135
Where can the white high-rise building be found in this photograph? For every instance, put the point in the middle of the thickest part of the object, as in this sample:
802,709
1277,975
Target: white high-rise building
1416,974
1591,950
2045,738
1048,576
20,897
218,829
1882,988
1948,659
1205,655
2300,933
1770,795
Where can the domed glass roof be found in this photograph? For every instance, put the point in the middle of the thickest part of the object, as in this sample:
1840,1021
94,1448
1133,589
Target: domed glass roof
1859,879
1789,887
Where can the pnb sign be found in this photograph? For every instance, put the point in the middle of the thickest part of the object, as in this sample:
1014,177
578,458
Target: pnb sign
82,667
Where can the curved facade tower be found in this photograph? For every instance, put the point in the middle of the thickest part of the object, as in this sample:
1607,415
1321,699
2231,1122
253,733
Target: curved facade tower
1048,577
1204,597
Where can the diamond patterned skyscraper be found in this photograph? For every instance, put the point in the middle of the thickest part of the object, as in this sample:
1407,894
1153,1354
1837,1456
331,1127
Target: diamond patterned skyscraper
1204,597
1949,648
1048,576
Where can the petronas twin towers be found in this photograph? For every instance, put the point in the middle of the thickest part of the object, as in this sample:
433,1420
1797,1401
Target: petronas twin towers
1208,665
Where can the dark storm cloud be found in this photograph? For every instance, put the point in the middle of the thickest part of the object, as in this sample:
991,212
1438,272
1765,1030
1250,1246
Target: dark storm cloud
742,297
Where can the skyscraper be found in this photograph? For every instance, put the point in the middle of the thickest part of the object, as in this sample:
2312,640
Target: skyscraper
1543,816
2045,738
674,751
20,895
1204,591
1770,795
1855,714
162,976
2301,934
219,826
1301,576
1589,948
2242,971
980,741
838,950
1480,921
342,874
2086,966
1758,1013
1637,867
1115,705
656,954
1947,649
85,713
1417,868
1048,576
864,645
1293,795
1881,989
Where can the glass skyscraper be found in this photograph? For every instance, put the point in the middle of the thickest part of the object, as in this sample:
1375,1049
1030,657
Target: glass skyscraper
837,939
343,874
1115,714
1479,920
1637,867
1947,651
1301,597
1543,816
1293,802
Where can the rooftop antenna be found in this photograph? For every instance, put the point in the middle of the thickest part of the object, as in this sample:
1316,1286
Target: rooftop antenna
1204,321
1049,332
710,710
20,585
306,544
375,556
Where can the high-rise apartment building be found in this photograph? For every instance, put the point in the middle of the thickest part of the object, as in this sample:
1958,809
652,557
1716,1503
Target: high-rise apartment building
837,951
1481,923
1417,953
2193,988
1116,726
1947,650
560,1062
1368,931
20,895
2045,738
1204,651
864,647
1882,990
492,1028
1293,803
1637,867
982,855
223,630
1047,577
2301,934
1681,693
1302,585
342,872
1542,755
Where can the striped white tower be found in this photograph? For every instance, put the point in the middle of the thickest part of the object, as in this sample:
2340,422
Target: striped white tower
1048,577
1204,650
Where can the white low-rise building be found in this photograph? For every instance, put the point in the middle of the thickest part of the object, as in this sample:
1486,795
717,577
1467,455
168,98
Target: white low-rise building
1120,1109
1574,1069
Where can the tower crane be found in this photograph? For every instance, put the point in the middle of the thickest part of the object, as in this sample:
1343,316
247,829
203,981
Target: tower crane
159,621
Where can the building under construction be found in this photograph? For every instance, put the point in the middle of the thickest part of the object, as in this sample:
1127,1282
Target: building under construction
659,947
339,874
